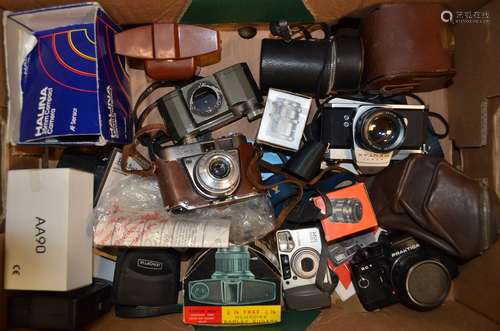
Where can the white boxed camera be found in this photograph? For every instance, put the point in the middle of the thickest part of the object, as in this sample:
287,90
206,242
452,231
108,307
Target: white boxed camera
284,119
299,253
48,234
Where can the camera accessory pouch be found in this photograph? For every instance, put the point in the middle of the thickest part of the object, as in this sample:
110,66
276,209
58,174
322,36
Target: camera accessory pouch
407,49
429,199
170,51
146,283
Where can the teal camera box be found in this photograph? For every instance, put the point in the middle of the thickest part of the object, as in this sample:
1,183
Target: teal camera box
232,286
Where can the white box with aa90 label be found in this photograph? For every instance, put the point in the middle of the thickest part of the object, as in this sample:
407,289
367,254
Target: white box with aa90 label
48,235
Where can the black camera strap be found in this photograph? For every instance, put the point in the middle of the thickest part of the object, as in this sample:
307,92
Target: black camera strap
326,279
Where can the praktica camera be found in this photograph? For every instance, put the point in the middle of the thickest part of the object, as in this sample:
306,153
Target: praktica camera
232,283
372,134
300,259
400,269
207,173
211,103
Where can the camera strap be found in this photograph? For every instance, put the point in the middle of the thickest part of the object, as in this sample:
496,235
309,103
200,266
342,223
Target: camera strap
326,279
257,163
131,150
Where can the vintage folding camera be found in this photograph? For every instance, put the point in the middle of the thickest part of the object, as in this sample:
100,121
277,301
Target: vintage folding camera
400,269
300,258
211,102
372,134
232,283
207,173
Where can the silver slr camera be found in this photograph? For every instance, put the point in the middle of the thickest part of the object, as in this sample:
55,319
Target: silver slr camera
370,134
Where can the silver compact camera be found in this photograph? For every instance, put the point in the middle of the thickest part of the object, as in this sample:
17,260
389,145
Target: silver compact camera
206,173
300,260
370,134
299,252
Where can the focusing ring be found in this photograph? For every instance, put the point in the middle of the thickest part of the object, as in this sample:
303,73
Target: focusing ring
362,129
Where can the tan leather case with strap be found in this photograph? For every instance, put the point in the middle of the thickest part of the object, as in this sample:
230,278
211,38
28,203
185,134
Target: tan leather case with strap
170,51
406,49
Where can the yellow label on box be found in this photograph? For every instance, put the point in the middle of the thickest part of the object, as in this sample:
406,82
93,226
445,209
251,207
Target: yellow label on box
251,314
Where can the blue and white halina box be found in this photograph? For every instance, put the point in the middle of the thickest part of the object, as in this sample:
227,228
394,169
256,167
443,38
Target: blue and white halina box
66,85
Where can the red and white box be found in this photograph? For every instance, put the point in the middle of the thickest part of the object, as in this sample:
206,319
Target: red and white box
352,212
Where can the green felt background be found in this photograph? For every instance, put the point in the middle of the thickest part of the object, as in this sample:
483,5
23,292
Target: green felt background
245,11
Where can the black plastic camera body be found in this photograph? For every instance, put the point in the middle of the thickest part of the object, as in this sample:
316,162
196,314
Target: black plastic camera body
399,269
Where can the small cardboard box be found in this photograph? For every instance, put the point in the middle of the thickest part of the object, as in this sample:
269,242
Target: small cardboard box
48,235
235,285
284,119
352,212
65,83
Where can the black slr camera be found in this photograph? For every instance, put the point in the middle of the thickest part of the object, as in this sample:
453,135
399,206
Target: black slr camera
399,269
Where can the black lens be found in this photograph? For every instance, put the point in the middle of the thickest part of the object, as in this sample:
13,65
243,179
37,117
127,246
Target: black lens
380,130
219,168
205,100
307,264
383,130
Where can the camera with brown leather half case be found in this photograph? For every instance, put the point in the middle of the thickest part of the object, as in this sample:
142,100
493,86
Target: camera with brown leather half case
207,173
170,51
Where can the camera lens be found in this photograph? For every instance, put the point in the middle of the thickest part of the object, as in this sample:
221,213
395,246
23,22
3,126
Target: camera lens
217,173
421,284
383,130
219,168
380,130
346,210
305,263
199,291
205,99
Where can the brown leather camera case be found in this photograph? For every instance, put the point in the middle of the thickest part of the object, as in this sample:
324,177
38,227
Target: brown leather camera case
406,49
170,51
176,187
436,203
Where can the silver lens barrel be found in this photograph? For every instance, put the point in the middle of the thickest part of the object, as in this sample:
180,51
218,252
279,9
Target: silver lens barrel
217,173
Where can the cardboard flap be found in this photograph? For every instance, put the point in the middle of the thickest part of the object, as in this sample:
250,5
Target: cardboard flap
476,61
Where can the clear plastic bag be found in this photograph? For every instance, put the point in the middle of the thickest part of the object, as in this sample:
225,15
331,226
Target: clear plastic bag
131,213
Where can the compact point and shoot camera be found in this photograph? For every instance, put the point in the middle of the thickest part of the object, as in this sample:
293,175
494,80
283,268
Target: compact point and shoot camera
300,259
212,102
207,173
232,283
399,269
372,134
